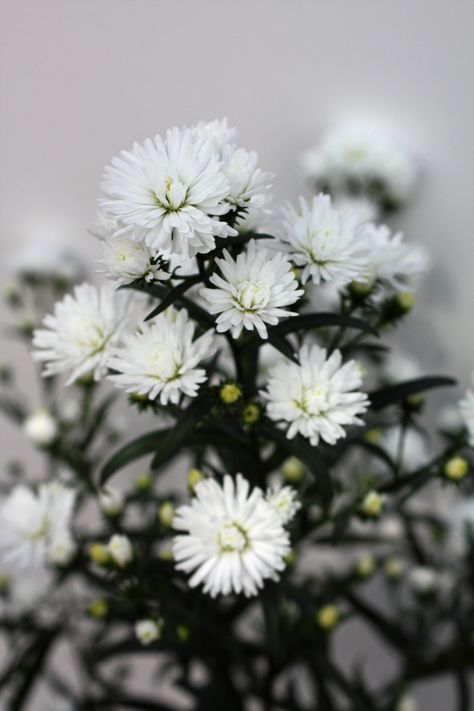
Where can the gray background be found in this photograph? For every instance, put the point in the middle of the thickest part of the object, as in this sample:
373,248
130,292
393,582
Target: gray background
81,79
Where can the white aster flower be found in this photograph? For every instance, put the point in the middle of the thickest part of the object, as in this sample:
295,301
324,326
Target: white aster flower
32,523
466,408
162,358
218,131
327,244
43,260
124,259
120,550
249,185
147,631
81,331
393,261
252,290
111,501
316,398
232,539
366,157
169,193
41,427
284,500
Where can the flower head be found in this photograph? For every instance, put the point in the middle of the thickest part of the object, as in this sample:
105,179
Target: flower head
41,427
169,192
391,260
232,539
466,407
34,525
147,631
124,259
161,359
328,244
316,398
81,331
252,290
285,501
249,185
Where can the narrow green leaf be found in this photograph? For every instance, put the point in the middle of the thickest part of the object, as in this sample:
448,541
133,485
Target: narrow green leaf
321,320
146,444
282,345
172,296
394,393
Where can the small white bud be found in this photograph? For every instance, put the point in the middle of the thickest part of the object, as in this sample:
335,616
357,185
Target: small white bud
423,580
41,428
61,550
120,550
111,501
147,631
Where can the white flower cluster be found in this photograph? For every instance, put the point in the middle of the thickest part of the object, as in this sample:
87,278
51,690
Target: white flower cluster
35,528
168,196
366,159
232,538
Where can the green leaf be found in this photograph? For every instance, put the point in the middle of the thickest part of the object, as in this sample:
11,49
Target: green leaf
321,320
394,393
12,410
146,444
172,296
179,435
282,345
309,455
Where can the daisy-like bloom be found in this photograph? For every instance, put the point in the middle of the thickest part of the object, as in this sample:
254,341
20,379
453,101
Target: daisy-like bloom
232,539
249,185
81,331
327,244
251,291
169,193
466,407
124,259
391,260
218,131
161,359
316,398
284,499
361,156
33,524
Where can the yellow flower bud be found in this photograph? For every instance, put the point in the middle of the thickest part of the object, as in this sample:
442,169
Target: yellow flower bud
166,514
183,632
98,609
290,558
393,569
293,470
327,617
99,554
365,566
194,477
251,414
372,504
373,436
230,393
406,300
361,288
456,468
144,482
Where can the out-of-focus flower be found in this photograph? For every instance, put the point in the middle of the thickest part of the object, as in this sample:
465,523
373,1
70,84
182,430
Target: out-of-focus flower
232,539
47,260
120,550
161,359
327,244
81,331
466,407
249,185
41,427
391,260
252,291
111,501
32,524
423,580
317,398
372,504
285,500
363,158
169,193
147,631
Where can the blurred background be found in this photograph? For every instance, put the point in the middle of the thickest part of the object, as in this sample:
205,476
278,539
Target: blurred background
81,80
